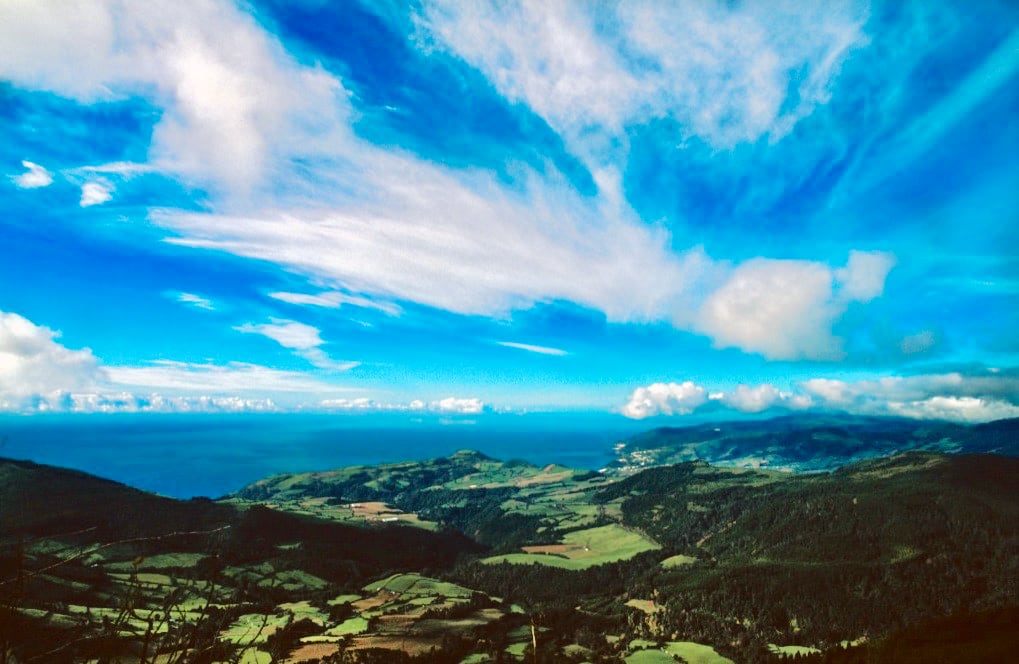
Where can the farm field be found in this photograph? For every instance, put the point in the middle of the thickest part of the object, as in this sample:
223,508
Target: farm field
582,549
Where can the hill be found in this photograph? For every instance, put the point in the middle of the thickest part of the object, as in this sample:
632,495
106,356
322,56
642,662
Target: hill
805,443
474,559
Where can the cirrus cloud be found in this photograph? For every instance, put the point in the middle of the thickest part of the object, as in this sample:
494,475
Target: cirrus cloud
95,193
531,348
728,74
292,183
303,339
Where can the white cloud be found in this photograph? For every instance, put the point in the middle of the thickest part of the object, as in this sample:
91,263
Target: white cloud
124,169
234,102
459,406
196,301
957,409
95,193
125,402
541,350
335,300
39,374
462,242
287,333
759,398
219,379
863,278
727,73
785,309
35,367
920,342
969,397
376,225
979,396
664,399
447,406
35,177
780,309
303,339
366,404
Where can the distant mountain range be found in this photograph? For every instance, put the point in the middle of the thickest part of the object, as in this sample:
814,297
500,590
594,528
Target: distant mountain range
904,557
810,442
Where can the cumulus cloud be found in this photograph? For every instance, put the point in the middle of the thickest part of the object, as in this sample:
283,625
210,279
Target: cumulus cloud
459,406
780,309
863,278
126,402
95,193
785,309
447,406
759,398
303,339
37,374
34,178
35,368
541,350
965,397
978,396
665,399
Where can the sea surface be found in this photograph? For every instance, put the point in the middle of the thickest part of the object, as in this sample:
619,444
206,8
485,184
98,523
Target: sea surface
204,455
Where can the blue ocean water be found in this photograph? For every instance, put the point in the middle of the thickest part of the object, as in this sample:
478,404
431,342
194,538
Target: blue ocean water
202,455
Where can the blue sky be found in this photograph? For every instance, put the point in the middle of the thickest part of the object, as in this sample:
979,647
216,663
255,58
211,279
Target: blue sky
658,210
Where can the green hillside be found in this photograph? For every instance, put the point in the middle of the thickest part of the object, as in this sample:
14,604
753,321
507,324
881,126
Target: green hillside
476,559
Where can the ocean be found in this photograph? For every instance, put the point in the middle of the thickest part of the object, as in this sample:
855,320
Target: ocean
189,455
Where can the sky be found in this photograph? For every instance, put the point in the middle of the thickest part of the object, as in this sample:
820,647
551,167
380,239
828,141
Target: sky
658,210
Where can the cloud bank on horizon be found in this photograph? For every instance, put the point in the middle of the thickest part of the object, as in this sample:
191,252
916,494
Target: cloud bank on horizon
276,206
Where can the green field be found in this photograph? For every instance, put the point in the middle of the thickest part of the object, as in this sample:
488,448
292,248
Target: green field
253,628
157,561
678,561
517,649
586,548
304,610
654,656
695,653
354,625
418,586
789,651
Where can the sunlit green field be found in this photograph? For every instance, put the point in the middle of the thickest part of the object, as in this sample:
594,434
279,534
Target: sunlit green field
584,548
